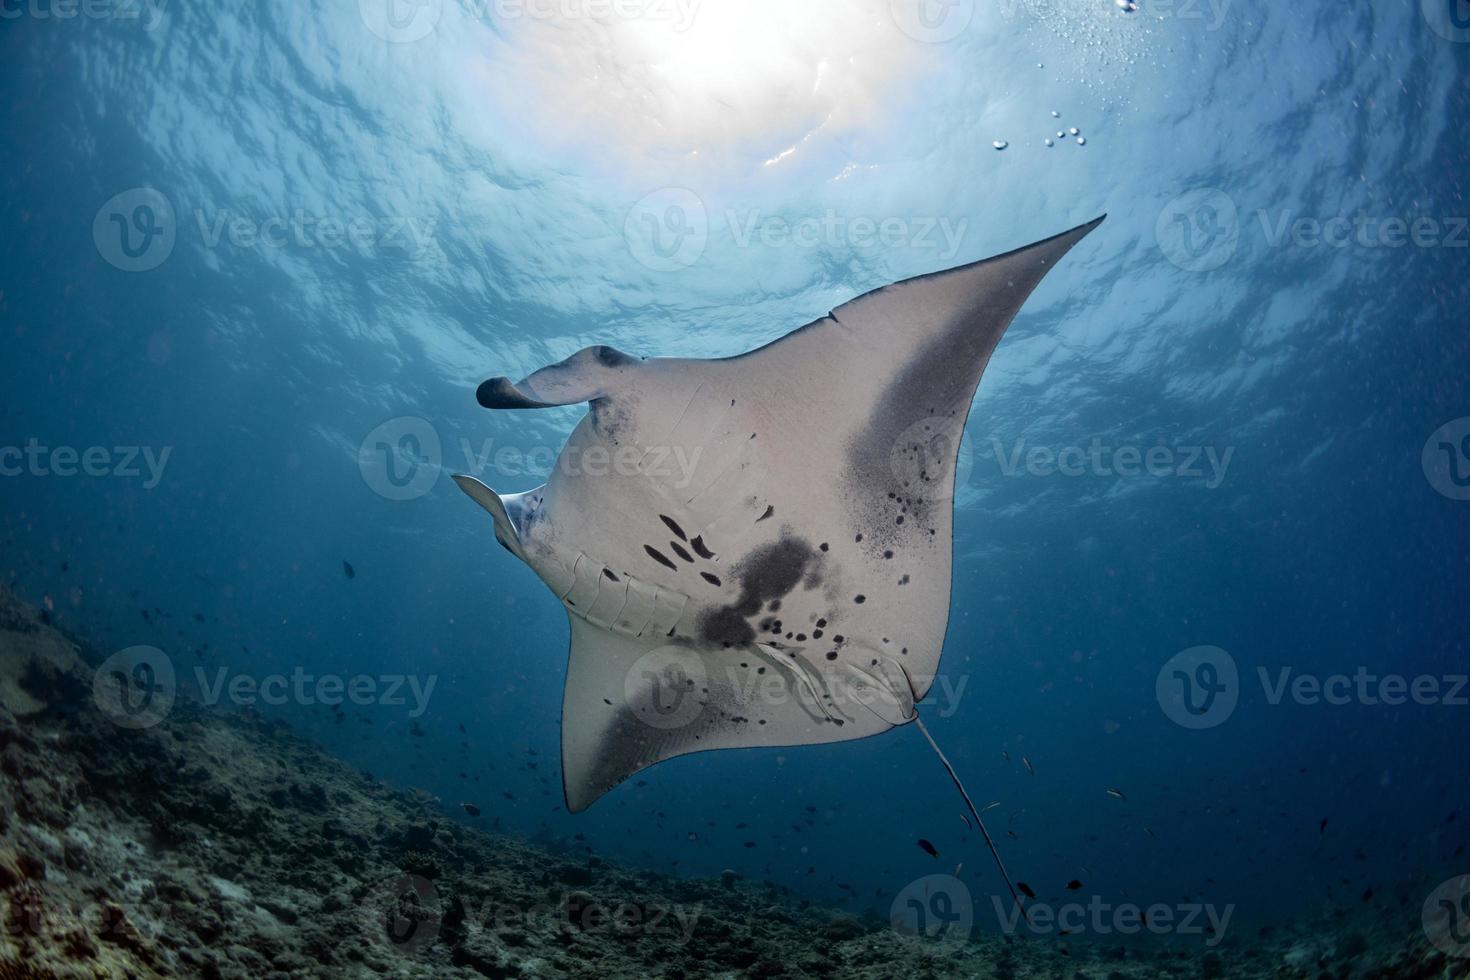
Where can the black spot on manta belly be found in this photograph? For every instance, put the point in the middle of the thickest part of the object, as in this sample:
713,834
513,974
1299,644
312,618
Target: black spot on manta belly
765,575
681,552
660,557
673,525
699,549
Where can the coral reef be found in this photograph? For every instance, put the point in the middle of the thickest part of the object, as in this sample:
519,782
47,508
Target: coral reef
223,846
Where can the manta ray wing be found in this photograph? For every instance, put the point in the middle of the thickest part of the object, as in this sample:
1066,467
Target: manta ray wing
756,551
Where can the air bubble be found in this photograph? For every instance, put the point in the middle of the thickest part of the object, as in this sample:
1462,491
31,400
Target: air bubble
999,144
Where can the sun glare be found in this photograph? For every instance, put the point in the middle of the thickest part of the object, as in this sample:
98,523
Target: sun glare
688,76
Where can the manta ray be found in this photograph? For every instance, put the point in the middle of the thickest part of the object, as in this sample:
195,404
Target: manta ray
757,550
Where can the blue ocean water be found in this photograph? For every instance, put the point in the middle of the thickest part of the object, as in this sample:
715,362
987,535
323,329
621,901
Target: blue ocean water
260,255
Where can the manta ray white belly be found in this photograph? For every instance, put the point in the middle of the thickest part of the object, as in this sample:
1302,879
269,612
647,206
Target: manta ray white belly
757,550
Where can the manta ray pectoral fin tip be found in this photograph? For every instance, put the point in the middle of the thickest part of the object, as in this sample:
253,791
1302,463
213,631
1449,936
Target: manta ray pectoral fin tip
574,804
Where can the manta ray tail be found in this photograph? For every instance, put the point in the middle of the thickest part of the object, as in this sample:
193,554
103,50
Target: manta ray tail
989,841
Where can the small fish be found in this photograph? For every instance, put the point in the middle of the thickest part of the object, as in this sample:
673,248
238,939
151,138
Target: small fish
958,868
990,806
348,570
967,822
1149,831
1005,755
1073,885
1025,889
928,848
471,809
1029,767
1322,827
1118,793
